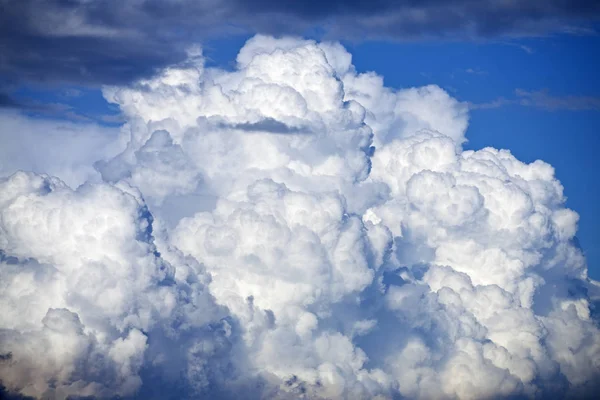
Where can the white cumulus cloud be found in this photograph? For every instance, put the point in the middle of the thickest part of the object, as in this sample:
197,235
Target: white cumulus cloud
289,229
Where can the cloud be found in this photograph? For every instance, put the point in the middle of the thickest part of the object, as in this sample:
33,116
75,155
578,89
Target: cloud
496,103
106,42
62,148
54,110
266,125
6,101
475,71
361,254
72,93
543,100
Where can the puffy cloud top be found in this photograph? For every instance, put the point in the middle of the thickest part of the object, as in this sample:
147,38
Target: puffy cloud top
291,229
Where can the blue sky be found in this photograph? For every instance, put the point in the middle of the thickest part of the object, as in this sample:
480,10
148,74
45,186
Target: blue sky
561,128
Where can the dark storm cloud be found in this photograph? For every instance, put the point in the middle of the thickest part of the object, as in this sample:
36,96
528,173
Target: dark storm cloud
110,41
6,101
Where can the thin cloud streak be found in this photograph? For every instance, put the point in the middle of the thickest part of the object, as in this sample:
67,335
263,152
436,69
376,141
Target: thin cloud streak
542,99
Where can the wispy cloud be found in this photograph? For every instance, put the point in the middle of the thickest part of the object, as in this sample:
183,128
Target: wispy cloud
57,110
542,99
71,93
475,71
497,103
525,48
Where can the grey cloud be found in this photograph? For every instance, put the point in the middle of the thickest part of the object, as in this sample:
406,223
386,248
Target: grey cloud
113,42
267,125
55,110
496,103
6,101
542,99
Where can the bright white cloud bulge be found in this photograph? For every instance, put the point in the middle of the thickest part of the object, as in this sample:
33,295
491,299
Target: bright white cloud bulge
288,229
